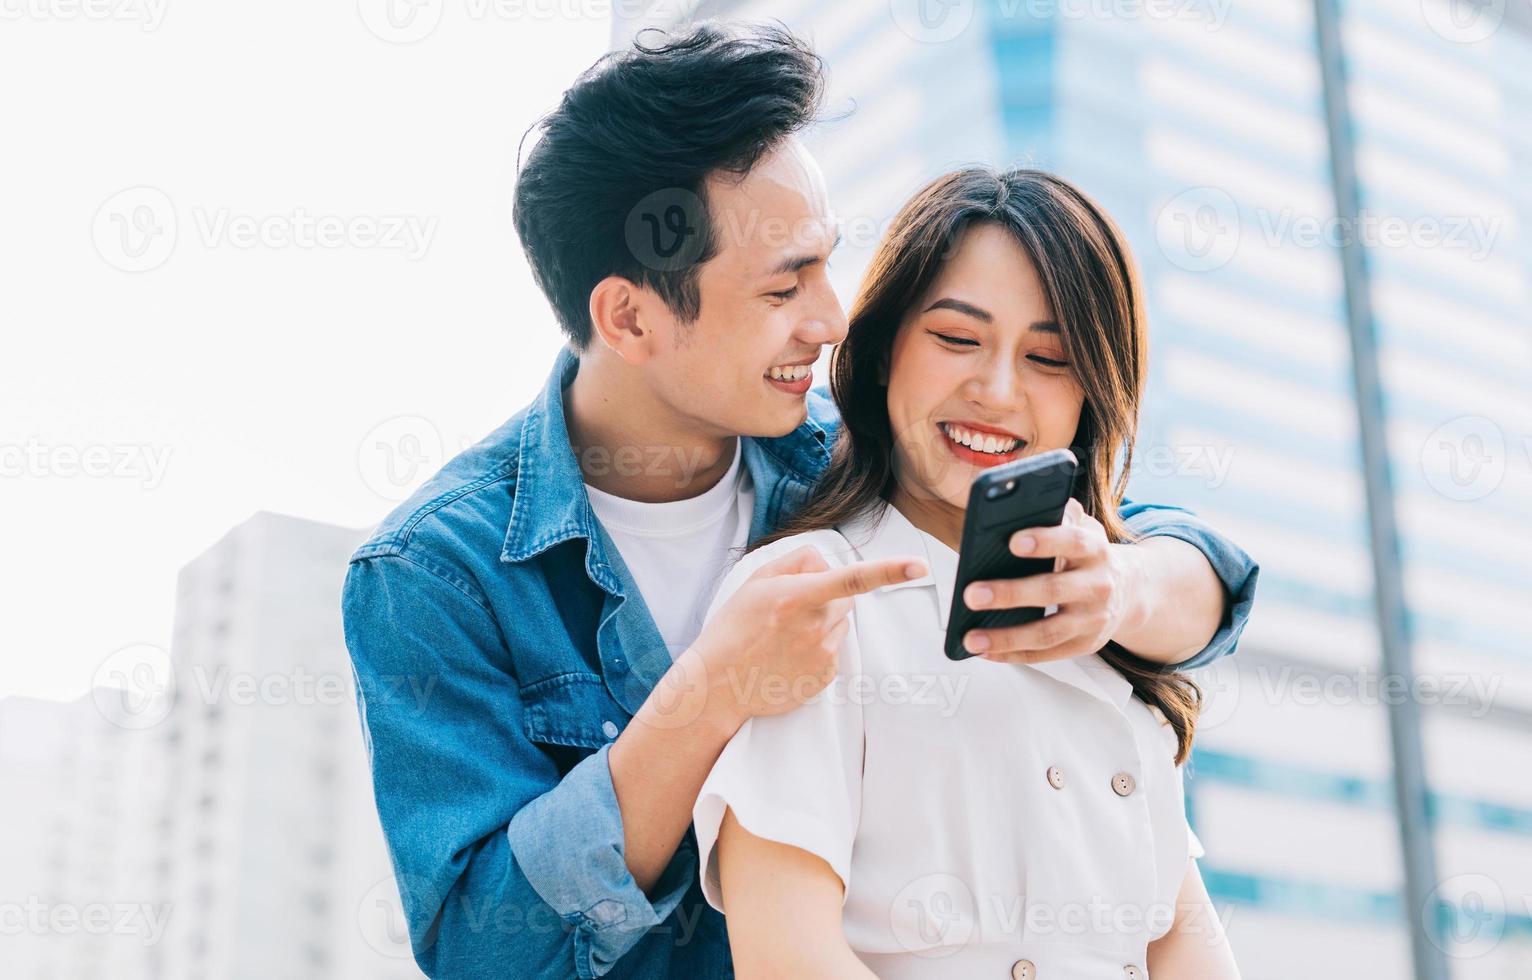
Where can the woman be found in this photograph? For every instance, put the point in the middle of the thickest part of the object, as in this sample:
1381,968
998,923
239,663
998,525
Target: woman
924,818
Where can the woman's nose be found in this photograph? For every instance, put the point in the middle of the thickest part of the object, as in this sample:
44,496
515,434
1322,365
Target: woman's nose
995,385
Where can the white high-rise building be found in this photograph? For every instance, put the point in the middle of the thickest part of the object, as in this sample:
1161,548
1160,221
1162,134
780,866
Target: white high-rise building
77,783
212,807
268,840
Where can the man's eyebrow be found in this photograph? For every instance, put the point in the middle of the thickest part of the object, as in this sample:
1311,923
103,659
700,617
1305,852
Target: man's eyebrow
792,263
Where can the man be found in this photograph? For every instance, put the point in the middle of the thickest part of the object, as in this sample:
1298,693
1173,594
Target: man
542,593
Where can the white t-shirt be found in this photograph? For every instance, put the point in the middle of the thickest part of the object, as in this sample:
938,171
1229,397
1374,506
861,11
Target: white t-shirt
986,819
677,551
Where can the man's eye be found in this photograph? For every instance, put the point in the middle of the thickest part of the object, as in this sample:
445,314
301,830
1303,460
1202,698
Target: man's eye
1047,361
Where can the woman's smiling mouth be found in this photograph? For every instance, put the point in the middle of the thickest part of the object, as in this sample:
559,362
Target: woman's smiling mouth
980,447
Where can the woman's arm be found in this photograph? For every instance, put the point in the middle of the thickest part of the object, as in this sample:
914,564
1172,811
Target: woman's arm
1175,601
1196,947
783,907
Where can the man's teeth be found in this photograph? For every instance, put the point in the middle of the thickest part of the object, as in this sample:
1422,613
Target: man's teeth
979,441
796,372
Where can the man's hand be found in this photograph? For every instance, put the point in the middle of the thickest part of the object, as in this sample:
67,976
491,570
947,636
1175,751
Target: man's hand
775,642
770,646
1091,586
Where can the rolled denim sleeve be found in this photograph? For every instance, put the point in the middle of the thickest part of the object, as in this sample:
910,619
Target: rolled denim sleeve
569,844
1236,569
504,867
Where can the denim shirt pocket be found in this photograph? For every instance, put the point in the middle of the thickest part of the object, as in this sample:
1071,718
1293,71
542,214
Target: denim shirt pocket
570,715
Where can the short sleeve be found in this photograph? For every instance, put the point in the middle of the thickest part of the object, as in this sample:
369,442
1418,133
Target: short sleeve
1197,850
795,777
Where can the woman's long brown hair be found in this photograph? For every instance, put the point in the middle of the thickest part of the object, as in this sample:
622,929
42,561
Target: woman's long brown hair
1092,286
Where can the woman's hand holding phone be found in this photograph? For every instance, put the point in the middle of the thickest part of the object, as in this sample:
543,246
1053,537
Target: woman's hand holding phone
1090,587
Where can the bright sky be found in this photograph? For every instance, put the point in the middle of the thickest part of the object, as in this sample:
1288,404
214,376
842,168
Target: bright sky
246,369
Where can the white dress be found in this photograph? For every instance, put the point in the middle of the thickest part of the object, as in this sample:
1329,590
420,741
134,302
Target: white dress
986,819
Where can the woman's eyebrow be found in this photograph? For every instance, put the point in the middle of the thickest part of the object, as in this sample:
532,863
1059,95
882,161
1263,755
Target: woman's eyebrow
968,309
958,306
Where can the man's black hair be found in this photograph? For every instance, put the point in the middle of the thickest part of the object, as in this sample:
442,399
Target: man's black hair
615,186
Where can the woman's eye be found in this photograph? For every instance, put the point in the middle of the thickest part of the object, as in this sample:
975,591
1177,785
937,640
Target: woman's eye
1047,361
960,341
785,294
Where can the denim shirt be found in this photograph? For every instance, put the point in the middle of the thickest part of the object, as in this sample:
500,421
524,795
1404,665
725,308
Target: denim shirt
499,646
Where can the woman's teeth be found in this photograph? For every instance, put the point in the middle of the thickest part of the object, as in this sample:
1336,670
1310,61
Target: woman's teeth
796,372
978,441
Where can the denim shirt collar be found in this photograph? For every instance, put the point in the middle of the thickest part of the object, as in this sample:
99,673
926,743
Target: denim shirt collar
551,506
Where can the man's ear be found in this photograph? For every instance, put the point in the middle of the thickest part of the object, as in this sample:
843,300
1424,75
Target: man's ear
617,314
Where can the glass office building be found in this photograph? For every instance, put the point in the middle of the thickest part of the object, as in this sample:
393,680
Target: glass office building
1329,204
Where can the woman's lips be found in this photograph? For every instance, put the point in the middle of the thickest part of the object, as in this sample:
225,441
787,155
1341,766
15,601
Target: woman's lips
974,457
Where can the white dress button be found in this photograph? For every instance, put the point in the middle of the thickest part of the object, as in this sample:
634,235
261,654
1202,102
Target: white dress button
1023,970
609,728
1132,973
1122,784
1055,777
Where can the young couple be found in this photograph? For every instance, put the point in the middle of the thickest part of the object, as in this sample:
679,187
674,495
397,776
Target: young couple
630,727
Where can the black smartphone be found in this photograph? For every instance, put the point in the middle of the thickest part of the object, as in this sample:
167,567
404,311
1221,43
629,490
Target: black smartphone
1031,492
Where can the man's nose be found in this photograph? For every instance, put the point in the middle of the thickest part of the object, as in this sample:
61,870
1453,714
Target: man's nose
826,323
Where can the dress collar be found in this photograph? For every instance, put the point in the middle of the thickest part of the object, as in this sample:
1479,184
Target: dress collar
882,531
